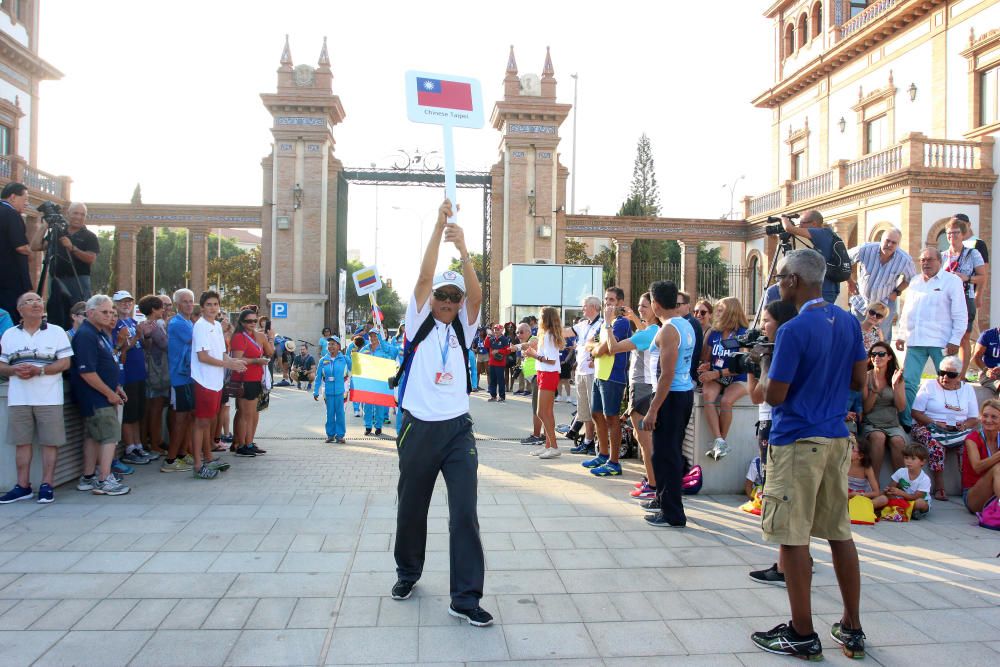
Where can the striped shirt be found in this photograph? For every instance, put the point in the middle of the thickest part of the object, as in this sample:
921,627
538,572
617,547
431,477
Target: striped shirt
43,347
875,279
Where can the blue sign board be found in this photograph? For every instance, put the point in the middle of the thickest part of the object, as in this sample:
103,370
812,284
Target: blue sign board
279,310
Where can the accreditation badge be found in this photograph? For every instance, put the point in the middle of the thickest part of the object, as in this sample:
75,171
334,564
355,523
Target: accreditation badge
443,378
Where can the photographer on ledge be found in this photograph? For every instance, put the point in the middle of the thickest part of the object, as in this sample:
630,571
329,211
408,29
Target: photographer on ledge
78,250
818,357
821,237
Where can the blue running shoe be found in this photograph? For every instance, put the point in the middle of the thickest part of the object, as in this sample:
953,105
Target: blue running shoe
609,469
579,449
120,468
596,462
45,494
17,493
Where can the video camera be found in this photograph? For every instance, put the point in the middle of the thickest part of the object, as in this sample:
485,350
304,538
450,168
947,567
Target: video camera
741,363
53,217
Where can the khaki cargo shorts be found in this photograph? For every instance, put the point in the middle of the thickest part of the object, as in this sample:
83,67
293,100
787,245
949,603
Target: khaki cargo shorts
805,492
584,388
43,424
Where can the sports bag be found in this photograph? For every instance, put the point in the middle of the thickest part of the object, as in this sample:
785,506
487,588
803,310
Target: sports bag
692,481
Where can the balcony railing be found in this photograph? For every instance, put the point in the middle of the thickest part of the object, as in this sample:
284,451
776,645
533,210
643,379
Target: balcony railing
40,184
916,154
812,187
871,12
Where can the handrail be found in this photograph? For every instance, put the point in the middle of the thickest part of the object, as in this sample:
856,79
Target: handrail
871,12
765,202
812,187
875,165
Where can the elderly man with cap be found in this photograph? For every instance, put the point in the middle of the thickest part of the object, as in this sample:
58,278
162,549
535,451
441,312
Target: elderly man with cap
436,435
333,370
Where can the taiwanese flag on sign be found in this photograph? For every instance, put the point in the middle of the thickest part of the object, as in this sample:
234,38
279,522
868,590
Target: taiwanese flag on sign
444,94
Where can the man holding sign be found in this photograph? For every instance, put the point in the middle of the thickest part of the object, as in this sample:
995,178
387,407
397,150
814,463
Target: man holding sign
436,431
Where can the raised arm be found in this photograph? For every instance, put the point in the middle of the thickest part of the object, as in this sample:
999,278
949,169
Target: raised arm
425,281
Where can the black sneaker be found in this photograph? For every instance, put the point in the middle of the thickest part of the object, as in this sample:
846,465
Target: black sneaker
660,521
769,576
244,450
256,450
378,432
783,640
852,642
477,616
368,431
651,506
402,589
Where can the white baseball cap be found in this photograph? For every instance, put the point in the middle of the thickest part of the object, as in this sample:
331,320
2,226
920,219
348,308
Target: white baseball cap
449,278
121,295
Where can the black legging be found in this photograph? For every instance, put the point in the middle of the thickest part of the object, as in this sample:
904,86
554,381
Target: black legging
668,456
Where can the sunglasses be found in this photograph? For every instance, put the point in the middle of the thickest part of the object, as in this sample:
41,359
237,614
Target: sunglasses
249,321
441,295
878,354
951,375
701,313
876,315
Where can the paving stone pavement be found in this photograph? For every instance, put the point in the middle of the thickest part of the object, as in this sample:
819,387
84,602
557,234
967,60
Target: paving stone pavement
287,560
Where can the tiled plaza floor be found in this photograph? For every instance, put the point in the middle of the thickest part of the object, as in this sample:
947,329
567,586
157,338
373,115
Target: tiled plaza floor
287,560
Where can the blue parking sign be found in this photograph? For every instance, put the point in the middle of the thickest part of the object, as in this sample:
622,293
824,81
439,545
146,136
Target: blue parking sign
279,310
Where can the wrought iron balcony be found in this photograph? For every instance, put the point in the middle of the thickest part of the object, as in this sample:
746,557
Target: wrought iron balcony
916,155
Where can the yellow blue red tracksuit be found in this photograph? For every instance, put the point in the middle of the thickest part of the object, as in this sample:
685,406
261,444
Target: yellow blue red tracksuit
330,374
375,414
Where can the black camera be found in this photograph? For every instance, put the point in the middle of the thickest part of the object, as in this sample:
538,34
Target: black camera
53,217
741,363
774,226
393,381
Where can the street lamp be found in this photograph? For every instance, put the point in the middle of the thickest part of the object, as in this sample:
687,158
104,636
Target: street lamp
732,192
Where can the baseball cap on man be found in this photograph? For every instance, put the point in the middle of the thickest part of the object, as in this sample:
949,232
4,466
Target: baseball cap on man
449,278
121,295
335,338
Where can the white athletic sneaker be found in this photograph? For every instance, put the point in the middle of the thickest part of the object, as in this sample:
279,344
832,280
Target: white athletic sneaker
719,449
550,453
538,451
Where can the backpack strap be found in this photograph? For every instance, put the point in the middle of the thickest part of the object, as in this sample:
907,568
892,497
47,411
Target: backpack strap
460,335
409,349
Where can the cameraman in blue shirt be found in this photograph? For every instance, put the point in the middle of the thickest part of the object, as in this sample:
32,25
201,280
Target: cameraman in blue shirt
812,229
818,358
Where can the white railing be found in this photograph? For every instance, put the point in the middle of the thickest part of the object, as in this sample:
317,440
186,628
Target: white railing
765,202
872,12
951,155
812,187
43,182
875,165
6,168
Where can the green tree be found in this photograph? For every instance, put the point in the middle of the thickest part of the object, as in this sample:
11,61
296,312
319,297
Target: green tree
237,278
100,270
576,252
644,186
477,264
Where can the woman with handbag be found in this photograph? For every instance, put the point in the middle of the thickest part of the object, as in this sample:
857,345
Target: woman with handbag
253,346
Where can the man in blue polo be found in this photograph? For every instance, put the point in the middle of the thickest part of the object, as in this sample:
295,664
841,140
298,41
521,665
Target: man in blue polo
180,331
609,386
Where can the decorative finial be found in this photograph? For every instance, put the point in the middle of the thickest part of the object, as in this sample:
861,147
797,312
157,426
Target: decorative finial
511,63
890,78
547,69
972,36
324,56
286,54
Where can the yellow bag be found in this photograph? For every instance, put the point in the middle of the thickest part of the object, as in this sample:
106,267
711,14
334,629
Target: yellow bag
898,510
753,505
862,510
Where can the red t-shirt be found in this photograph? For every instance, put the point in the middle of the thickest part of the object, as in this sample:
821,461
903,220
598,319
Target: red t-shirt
497,344
969,476
243,342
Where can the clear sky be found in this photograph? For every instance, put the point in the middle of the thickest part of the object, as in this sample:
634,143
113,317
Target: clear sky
168,95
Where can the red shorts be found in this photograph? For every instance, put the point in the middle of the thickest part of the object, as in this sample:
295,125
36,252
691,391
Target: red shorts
548,380
206,402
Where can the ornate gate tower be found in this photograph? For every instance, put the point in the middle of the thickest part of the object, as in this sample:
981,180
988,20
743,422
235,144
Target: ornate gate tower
300,192
529,184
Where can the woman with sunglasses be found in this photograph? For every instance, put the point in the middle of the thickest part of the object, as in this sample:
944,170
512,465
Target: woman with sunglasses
871,326
251,345
944,412
883,397
703,313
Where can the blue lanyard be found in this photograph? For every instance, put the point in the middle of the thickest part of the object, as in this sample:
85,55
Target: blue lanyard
811,302
107,344
444,348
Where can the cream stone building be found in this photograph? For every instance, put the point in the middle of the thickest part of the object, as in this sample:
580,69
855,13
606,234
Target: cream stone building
883,115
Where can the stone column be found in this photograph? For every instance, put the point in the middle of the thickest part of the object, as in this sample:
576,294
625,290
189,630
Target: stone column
623,266
199,261
125,254
689,268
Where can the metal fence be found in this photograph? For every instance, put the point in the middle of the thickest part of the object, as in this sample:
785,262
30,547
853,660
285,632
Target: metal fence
644,273
715,281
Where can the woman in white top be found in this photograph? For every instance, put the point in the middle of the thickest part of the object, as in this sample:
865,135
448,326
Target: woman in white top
944,413
546,355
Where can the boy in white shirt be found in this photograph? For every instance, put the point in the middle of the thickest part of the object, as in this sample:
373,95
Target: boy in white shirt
911,482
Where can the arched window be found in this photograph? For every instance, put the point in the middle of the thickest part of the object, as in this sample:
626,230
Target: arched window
803,30
817,20
789,40
755,280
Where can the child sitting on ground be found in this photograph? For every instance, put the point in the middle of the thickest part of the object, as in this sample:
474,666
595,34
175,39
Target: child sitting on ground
910,482
755,479
861,479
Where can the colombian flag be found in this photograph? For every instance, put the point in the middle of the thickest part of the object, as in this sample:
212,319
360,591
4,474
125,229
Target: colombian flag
366,278
371,380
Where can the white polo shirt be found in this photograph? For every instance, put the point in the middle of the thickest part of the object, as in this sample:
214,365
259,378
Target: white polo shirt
41,348
585,331
425,399
208,336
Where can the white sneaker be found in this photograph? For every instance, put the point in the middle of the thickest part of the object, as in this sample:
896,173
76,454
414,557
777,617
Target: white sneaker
720,449
538,451
550,453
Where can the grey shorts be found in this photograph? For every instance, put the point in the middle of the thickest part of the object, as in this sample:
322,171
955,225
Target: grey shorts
640,395
584,387
891,432
103,426
43,424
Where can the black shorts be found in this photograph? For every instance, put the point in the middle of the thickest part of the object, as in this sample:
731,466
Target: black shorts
251,391
135,406
565,371
182,398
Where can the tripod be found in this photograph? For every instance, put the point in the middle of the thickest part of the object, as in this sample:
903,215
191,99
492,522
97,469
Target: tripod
51,258
786,243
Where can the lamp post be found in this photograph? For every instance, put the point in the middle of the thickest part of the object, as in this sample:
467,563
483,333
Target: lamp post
732,192
572,191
